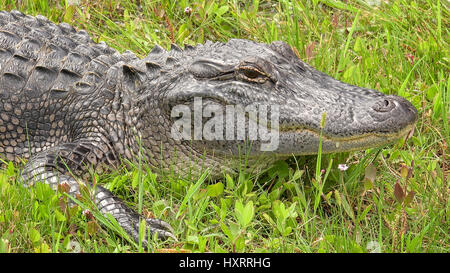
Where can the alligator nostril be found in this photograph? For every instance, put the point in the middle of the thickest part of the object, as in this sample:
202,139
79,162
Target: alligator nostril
384,105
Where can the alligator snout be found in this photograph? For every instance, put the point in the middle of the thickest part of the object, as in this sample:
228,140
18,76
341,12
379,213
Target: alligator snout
394,108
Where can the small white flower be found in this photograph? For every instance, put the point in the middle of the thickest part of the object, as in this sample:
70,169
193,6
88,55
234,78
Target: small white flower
74,247
73,2
342,167
188,11
373,247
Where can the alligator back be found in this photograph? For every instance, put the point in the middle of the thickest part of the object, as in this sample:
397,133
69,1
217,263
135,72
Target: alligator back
37,56
41,65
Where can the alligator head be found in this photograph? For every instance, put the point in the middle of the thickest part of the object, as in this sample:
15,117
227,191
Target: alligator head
249,74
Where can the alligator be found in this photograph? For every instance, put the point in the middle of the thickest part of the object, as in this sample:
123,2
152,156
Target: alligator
71,106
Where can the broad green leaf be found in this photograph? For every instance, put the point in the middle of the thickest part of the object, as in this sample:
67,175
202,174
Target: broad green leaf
244,214
59,216
215,189
409,197
35,236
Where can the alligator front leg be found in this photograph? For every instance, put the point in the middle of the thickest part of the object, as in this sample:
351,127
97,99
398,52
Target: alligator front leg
61,164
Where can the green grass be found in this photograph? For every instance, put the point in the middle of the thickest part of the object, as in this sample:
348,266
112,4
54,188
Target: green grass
398,47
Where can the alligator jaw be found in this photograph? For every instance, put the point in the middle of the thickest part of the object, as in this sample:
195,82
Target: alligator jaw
339,144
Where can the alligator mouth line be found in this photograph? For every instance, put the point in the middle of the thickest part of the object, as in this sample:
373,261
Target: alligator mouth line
353,143
393,135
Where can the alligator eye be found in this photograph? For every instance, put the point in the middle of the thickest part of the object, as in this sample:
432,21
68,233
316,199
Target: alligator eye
252,74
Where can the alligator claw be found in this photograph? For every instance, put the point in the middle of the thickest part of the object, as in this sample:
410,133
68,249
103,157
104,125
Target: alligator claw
163,229
160,225
129,219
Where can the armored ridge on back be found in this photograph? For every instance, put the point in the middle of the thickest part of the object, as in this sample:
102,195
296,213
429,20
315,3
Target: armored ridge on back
67,103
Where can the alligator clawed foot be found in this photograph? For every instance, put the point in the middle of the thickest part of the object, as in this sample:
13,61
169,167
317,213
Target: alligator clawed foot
131,222
129,219
164,230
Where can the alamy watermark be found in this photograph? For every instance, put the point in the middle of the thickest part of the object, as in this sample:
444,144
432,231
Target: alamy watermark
227,122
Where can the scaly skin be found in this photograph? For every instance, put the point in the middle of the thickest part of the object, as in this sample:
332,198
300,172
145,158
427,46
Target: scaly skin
71,106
